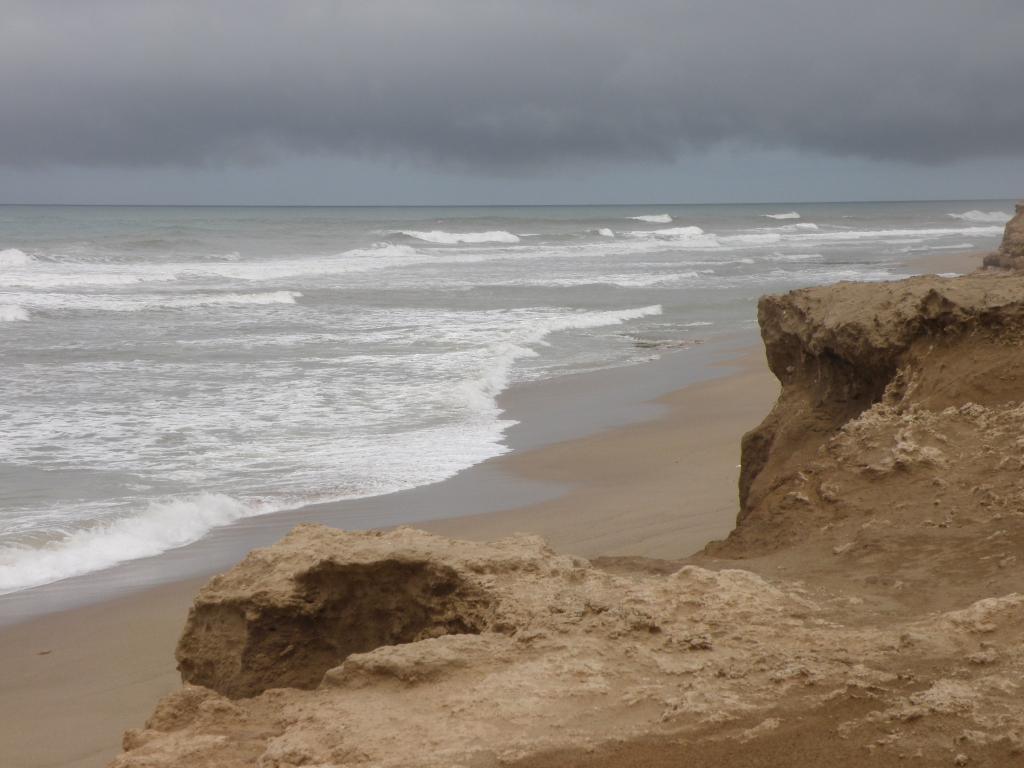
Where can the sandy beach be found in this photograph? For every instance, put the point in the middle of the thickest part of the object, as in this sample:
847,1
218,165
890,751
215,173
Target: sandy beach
659,488
73,680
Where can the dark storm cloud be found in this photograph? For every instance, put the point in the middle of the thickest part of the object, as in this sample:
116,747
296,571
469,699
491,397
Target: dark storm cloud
506,85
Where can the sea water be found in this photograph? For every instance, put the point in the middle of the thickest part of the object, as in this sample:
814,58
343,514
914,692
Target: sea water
164,371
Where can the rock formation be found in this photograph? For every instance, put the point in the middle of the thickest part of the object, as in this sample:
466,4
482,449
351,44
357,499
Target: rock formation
868,608
514,654
870,363
1011,252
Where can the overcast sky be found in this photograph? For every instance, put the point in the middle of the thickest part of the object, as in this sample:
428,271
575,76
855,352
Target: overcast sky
472,101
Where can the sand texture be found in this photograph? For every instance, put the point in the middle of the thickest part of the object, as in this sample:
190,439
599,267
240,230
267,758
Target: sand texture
868,607
507,650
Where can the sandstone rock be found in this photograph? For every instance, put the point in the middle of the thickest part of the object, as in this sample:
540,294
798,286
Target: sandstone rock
874,364
1011,252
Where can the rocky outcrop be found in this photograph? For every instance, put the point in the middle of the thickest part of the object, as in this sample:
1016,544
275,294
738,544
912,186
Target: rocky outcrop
1011,252
323,596
514,650
535,659
852,351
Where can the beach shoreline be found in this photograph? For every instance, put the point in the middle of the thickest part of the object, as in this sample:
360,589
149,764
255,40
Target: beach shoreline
653,475
90,670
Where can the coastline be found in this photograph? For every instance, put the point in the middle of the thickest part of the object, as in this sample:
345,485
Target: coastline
90,670
611,486
546,413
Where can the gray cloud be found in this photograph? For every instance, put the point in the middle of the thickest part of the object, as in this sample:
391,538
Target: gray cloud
506,86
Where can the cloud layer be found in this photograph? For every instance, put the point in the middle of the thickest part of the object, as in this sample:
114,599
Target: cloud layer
509,86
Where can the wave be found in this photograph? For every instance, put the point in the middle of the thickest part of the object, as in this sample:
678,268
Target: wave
982,216
634,280
930,248
794,257
454,238
377,257
605,232
142,303
789,215
14,257
670,232
802,226
481,392
900,234
10,313
56,274
162,526
767,238
654,218
234,299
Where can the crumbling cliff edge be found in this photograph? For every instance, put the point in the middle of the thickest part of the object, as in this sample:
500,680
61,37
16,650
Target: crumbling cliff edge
868,606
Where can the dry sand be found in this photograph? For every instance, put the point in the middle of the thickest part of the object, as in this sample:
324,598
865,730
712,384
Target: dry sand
72,682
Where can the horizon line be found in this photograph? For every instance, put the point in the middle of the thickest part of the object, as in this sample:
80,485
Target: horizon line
495,205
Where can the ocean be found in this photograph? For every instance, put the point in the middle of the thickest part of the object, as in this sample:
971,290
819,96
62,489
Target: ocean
166,371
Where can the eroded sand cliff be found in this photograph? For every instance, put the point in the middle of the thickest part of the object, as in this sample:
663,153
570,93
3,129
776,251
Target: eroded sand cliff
1011,251
867,609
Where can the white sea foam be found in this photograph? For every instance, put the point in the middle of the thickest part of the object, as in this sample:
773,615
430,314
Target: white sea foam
10,313
897,234
472,377
794,257
789,215
654,218
634,280
800,226
162,526
671,232
929,248
234,299
480,391
999,217
55,275
453,238
765,238
380,256
14,257
605,232
144,302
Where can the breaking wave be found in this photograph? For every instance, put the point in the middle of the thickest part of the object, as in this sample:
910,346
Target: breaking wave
789,215
982,216
14,257
162,526
454,238
10,313
141,303
654,218
671,232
